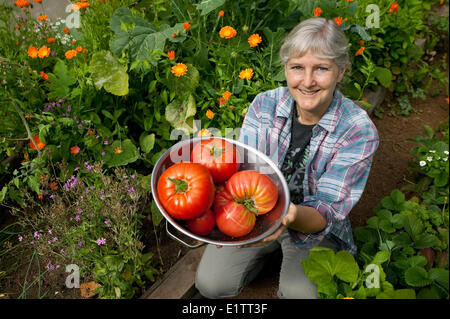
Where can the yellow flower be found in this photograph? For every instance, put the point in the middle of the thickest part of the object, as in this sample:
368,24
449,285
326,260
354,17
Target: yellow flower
246,74
227,32
254,40
204,132
179,69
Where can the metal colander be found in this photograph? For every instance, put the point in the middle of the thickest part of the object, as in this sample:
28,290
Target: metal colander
251,159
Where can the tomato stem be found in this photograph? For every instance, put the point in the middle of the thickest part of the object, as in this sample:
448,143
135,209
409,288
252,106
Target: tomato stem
181,186
249,204
216,151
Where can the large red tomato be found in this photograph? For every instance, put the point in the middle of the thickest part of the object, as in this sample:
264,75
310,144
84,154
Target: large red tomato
219,156
221,198
202,225
256,191
186,190
235,220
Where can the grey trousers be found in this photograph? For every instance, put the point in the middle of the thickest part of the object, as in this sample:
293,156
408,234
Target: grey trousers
224,272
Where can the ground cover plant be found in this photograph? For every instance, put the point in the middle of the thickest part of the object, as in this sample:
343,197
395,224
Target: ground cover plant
84,105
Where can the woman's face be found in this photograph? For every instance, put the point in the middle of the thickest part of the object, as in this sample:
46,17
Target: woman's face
311,81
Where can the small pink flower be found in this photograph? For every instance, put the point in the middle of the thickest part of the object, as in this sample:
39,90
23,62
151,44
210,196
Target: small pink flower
20,238
101,241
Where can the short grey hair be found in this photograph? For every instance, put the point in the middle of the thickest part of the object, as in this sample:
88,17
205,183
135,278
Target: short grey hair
323,37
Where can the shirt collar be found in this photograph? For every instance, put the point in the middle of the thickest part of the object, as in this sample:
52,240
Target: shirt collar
284,106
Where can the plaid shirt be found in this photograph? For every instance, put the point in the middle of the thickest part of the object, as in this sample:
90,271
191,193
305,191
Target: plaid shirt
341,153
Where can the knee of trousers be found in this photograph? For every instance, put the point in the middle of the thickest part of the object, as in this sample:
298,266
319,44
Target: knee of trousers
216,287
297,290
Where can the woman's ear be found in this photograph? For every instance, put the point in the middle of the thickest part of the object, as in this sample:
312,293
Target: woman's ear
341,74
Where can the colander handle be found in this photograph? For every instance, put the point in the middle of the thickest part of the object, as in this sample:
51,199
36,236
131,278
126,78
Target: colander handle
181,241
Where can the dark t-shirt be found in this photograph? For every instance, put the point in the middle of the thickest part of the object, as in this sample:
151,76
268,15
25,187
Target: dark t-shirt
293,167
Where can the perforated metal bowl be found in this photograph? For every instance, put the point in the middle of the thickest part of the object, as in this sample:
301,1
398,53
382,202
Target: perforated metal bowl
250,159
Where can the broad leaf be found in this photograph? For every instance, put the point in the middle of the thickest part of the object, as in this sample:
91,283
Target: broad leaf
417,277
60,81
186,84
384,76
206,6
107,72
181,114
147,143
121,153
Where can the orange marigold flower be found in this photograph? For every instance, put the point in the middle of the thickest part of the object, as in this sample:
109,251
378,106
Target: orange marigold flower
246,74
227,32
360,51
51,40
38,1
42,18
222,101
317,12
209,114
66,30
79,49
70,54
117,150
226,95
32,52
174,35
186,26
179,69
44,52
254,40
171,55
22,3
80,5
221,13
338,21
204,132
38,142
44,76
74,150
394,7
53,186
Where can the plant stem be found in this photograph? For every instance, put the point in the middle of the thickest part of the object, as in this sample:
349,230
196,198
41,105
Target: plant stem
30,136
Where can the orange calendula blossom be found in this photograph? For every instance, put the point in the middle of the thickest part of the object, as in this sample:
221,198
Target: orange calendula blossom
338,21
22,3
221,13
179,69
246,74
186,26
360,51
209,114
32,52
222,101
51,40
254,40
171,55
79,49
66,30
117,150
44,76
226,95
317,12
70,54
74,150
38,142
38,1
42,18
227,32
394,7
44,52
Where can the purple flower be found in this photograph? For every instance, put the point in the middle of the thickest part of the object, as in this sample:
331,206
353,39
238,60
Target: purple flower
101,241
77,218
55,239
106,142
80,243
103,153
20,238
52,196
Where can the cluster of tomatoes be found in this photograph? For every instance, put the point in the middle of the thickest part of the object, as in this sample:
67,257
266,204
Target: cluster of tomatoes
209,191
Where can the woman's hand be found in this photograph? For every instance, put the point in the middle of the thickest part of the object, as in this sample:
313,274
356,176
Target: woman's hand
287,220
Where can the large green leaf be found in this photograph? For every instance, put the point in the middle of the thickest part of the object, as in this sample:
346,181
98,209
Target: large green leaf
206,6
107,72
384,76
129,153
186,84
345,267
417,277
60,80
139,36
180,113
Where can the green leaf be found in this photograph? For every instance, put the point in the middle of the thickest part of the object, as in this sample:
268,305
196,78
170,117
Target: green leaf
206,6
181,114
397,294
345,267
3,193
425,240
417,277
157,216
107,72
413,225
186,84
383,75
440,275
179,10
128,155
274,41
381,257
60,80
147,143
398,197
34,183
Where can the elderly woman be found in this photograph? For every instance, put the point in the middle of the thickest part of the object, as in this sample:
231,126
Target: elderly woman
324,146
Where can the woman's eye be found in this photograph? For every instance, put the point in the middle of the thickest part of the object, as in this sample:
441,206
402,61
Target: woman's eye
297,67
323,69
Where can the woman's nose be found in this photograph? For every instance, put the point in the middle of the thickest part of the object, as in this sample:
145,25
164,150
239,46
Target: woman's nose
308,80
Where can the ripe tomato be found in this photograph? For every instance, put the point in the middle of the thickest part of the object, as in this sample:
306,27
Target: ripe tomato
186,190
202,225
256,191
221,198
235,220
219,156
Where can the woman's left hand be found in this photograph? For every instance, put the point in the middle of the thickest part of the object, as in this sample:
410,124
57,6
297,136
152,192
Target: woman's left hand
287,220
